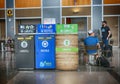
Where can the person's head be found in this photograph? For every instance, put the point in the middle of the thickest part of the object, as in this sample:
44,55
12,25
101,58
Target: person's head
104,23
91,33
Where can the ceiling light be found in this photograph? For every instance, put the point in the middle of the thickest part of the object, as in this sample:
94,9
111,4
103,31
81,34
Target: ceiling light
76,10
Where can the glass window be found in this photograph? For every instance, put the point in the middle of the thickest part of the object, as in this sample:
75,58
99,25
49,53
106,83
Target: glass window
112,22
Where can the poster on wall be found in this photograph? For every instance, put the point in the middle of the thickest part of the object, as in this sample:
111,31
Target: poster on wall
49,21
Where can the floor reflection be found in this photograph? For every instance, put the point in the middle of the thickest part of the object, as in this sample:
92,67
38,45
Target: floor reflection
63,77
7,66
84,75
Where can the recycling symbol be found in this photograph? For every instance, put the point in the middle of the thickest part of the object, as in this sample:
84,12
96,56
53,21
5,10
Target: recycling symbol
45,44
66,42
24,44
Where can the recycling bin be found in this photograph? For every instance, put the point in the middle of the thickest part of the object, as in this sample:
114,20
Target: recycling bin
45,47
67,47
24,51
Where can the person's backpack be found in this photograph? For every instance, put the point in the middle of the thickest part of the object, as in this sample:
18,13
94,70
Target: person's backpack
108,51
102,61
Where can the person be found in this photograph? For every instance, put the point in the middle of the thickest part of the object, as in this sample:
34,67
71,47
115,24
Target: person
92,41
106,35
105,30
9,40
9,44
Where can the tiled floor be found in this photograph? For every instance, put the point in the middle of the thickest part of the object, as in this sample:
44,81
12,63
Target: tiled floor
84,75
63,77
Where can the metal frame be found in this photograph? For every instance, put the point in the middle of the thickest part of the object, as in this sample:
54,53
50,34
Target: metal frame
28,18
14,15
5,21
119,31
60,11
87,25
28,8
102,9
91,14
42,11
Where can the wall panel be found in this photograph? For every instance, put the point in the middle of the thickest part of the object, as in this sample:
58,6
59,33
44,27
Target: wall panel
111,10
2,14
111,1
2,4
27,3
28,13
75,2
2,26
82,11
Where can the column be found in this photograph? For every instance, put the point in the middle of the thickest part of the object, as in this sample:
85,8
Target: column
119,30
96,14
10,22
51,9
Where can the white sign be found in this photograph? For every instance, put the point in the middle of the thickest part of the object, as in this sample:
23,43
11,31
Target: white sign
49,21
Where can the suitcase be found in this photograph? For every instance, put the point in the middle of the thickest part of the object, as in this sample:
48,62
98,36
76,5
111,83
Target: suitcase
102,61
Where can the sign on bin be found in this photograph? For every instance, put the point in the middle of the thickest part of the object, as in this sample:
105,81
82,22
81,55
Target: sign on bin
45,51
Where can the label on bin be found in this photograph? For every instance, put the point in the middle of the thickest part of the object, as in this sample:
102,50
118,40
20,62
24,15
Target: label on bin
72,49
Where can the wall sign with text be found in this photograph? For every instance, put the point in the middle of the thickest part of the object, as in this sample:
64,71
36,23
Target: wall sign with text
27,29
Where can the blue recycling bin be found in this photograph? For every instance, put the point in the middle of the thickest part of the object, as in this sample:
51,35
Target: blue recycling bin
45,47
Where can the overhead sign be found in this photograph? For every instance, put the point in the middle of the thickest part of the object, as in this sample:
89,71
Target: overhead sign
46,28
67,29
27,28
